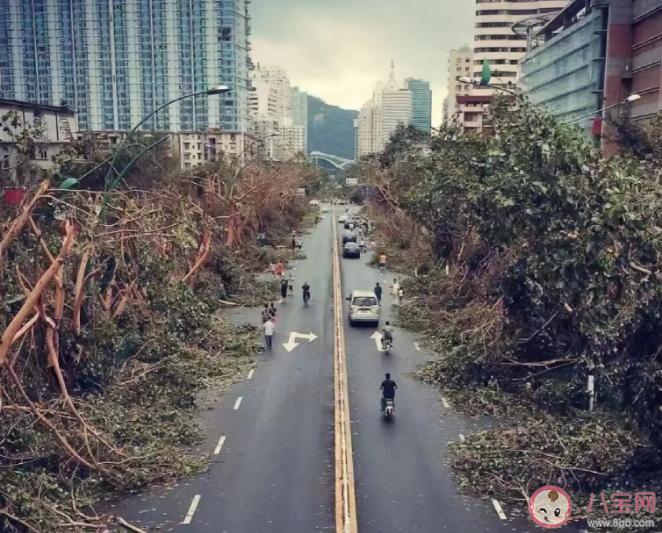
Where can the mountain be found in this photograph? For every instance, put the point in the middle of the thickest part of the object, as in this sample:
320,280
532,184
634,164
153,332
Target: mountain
330,128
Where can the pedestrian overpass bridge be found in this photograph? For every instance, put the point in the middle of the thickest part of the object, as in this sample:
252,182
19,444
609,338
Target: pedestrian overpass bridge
338,162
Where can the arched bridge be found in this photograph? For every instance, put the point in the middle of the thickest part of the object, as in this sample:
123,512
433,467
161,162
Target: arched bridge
338,162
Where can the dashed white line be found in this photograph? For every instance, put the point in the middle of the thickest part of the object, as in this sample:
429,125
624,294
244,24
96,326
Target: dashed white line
219,446
417,346
461,437
445,402
250,373
238,402
499,510
191,510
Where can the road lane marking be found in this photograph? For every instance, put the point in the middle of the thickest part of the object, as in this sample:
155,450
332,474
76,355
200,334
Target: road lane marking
238,402
417,346
345,508
378,341
191,510
445,402
250,373
461,437
499,510
291,344
219,446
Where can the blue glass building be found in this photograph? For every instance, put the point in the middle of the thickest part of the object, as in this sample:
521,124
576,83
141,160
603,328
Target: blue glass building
114,61
421,104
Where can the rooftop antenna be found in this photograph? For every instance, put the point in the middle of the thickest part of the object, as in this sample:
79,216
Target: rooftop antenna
391,79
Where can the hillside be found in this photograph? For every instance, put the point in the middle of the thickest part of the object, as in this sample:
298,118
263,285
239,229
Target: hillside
330,128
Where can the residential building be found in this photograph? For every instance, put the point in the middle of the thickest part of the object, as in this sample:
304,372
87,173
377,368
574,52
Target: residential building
277,78
495,41
460,63
299,116
356,139
472,112
192,148
421,104
294,139
594,55
51,127
114,61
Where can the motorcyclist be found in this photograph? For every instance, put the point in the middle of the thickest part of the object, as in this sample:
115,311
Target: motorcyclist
306,291
388,388
387,333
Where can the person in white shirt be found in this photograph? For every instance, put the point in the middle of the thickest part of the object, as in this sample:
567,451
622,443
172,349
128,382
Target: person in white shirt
395,288
269,328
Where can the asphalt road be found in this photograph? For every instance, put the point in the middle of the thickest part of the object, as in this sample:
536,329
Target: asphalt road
272,433
275,470
402,480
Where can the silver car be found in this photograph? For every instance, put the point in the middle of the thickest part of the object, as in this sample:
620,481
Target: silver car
363,307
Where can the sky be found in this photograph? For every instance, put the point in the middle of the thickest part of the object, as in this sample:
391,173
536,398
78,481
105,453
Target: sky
339,49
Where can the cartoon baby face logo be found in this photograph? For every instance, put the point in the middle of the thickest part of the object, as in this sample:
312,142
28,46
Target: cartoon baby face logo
550,507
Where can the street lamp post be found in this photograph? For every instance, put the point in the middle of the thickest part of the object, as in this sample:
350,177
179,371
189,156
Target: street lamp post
632,98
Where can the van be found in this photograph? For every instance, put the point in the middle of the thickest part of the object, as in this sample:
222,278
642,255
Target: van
363,307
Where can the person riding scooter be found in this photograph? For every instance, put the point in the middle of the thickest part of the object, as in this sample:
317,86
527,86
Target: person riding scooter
388,388
387,334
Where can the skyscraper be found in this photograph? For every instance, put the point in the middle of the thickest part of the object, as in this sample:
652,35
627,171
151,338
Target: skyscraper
495,41
114,61
396,107
421,104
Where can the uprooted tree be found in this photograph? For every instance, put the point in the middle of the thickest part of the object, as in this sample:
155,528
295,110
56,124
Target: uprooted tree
108,326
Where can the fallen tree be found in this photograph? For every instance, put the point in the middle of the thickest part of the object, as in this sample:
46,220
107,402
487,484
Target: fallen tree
108,329
545,271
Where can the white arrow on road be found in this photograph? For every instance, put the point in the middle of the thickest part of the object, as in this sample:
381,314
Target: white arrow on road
378,340
290,344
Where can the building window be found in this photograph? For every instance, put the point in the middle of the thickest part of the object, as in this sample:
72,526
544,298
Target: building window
41,153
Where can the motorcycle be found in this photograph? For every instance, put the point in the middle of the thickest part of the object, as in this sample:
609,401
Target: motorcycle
386,344
389,408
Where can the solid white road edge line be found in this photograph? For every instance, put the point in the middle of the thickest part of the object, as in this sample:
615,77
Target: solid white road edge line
461,437
250,373
499,510
219,446
445,402
191,510
238,402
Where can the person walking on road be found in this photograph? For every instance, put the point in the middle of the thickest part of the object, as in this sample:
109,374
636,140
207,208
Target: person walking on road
395,288
266,314
280,268
382,262
269,328
290,280
401,294
378,293
273,312
284,285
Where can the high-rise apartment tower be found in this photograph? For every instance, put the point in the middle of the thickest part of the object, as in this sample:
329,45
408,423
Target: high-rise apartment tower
114,61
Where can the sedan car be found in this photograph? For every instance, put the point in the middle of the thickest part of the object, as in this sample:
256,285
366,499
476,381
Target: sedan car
351,249
348,236
342,219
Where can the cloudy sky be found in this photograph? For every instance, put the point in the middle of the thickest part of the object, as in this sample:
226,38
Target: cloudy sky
339,49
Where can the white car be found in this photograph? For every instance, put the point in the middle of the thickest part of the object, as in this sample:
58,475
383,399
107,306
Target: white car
342,219
363,307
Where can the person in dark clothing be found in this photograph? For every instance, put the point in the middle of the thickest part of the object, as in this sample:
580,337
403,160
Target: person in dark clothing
388,388
378,293
266,314
273,312
284,285
306,292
